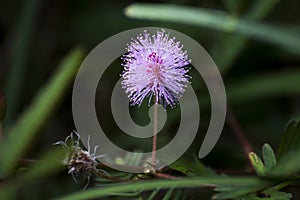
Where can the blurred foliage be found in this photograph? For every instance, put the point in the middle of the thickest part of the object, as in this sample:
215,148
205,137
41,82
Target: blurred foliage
216,20
256,46
37,115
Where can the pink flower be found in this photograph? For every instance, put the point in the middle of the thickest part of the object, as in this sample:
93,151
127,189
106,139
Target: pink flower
155,66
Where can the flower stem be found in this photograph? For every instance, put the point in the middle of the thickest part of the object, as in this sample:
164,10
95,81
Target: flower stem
154,134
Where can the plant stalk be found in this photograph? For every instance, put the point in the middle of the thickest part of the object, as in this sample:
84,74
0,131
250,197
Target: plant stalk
154,143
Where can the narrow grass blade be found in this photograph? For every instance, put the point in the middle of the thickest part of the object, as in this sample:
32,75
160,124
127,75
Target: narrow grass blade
216,20
162,184
25,129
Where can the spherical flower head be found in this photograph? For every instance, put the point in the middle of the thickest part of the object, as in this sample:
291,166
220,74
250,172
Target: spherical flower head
155,66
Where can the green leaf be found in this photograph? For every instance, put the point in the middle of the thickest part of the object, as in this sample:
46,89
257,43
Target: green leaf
233,192
168,194
257,164
162,184
268,163
269,194
195,168
37,114
215,20
288,165
289,152
269,157
290,139
153,194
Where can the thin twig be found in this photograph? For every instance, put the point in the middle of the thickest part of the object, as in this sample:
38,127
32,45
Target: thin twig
238,132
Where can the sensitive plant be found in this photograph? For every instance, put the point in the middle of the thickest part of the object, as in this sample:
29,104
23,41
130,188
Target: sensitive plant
275,168
155,66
